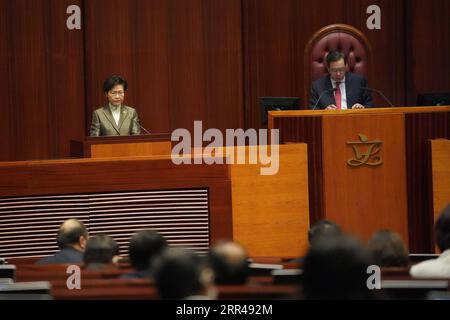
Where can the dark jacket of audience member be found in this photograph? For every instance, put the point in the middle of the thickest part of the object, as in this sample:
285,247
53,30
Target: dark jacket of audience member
182,274
100,251
145,246
71,238
229,261
336,269
388,249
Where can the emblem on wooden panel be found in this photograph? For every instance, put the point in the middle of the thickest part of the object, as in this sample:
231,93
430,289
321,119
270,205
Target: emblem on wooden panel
366,152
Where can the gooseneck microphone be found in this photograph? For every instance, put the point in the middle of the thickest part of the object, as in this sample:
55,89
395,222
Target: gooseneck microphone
380,93
321,95
137,122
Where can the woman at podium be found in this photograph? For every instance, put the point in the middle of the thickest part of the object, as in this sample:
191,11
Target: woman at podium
115,118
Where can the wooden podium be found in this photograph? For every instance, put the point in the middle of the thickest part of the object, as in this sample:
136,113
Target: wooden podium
122,146
368,169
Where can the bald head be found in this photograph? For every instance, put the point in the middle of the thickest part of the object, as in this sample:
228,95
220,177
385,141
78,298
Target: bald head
72,233
231,251
230,262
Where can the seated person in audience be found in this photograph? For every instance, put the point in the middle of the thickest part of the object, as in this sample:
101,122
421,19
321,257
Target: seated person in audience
72,238
336,269
439,267
101,252
182,274
340,89
229,261
115,118
388,249
145,246
323,229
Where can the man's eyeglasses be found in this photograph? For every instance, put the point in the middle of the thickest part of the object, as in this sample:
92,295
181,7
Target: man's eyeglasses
337,70
113,93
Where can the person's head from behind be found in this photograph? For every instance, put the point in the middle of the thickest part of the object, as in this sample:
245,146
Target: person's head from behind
229,261
100,251
442,229
337,65
181,273
72,234
323,229
336,269
388,250
145,245
115,88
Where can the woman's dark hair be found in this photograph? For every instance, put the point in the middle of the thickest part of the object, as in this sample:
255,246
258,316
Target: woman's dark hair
336,269
388,250
113,81
178,274
145,245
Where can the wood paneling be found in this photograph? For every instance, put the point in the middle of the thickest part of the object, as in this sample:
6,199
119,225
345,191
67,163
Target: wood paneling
309,131
365,199
427,47
42,79
63,177
420,127
273,218
440,171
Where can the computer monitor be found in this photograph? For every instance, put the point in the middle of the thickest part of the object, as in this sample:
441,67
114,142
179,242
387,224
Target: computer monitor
434,99
277,104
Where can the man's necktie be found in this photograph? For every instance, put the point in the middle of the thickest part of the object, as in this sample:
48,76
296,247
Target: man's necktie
338,96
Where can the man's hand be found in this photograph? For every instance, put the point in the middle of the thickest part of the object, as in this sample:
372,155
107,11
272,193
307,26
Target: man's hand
331,107
358,106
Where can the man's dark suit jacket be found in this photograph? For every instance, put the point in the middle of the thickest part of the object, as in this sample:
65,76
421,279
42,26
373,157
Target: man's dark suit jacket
353,85
103,123
66,255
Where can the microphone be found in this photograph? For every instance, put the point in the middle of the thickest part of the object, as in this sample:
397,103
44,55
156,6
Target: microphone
321,95
381,94
137,122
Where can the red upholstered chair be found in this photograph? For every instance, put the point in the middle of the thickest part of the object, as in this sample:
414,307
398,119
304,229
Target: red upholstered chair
336,37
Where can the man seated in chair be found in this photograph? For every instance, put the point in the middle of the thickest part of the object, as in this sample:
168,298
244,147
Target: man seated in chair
72,238
340,89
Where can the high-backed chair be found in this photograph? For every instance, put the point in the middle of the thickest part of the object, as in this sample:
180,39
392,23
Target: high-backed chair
336,37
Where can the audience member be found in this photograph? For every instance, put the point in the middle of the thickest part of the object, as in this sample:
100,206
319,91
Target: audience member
229,261
100,252
72,237
182,274
388,250
336,269
439,267
145,246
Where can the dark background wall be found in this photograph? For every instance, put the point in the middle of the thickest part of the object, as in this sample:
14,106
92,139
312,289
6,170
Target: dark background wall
189,60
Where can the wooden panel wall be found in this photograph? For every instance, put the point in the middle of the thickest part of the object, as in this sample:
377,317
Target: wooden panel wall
428,47
42,82
191,59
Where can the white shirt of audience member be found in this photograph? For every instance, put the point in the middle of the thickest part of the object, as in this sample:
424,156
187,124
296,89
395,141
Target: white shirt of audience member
433,268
